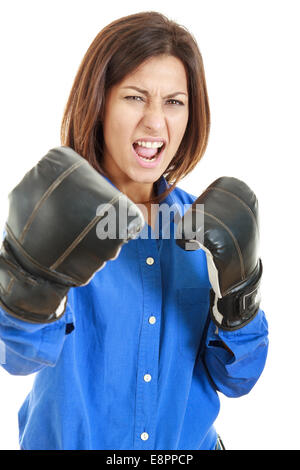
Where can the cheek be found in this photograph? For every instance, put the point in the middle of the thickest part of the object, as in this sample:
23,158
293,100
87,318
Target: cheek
184,122
178,128
110,127
113,139
119,127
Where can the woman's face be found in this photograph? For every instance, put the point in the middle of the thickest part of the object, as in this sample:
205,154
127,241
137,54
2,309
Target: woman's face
144,121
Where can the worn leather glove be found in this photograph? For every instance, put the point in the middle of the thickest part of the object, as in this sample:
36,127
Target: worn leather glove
228,232
51,241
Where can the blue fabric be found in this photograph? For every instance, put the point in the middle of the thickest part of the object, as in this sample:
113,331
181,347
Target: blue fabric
90,390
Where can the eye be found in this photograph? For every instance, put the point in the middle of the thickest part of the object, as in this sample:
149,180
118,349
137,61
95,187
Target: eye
134,98
176,102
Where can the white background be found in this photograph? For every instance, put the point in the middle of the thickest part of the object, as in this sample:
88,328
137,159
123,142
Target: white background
251,55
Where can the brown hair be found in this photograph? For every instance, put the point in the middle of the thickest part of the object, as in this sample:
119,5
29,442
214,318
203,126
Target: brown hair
118,50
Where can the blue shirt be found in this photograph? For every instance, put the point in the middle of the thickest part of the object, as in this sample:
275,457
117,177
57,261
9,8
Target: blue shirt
135,362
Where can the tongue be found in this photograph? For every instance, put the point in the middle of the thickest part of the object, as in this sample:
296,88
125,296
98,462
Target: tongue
145,152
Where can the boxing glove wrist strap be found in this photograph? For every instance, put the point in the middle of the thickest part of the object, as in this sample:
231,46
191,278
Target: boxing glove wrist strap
239,306
29,297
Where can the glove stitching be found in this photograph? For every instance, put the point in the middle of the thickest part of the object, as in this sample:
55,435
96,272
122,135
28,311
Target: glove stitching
11,283
68,279
234,241
45,196
18,268
2,288
87,229
240,200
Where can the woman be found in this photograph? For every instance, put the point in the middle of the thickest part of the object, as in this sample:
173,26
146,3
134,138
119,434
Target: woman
135,361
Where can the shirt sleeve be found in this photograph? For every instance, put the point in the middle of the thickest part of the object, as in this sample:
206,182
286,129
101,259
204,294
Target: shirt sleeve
28,347
236,365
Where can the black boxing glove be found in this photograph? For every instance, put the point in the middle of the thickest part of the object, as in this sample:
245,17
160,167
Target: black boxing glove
228,232
51,241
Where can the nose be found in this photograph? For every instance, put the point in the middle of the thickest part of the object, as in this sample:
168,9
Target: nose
154,117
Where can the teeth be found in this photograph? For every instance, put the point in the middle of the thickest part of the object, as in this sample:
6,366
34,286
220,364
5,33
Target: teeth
148,159
149,145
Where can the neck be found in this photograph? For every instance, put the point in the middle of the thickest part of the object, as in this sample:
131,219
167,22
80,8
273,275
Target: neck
139,193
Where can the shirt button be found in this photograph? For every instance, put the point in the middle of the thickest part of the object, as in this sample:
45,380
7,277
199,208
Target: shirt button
152,320
147,377
144,436
150,261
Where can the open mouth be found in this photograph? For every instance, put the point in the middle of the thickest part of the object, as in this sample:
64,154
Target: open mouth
148,152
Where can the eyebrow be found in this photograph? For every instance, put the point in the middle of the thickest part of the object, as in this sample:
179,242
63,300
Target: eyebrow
145,92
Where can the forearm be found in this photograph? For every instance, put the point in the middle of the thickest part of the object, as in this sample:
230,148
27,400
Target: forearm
236,359
28,347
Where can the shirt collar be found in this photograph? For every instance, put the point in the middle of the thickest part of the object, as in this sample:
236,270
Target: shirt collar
163,185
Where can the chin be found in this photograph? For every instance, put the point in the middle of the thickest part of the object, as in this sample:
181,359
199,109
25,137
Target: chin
146,176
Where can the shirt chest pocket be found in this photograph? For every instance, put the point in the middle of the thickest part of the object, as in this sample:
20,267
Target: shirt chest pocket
192,311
